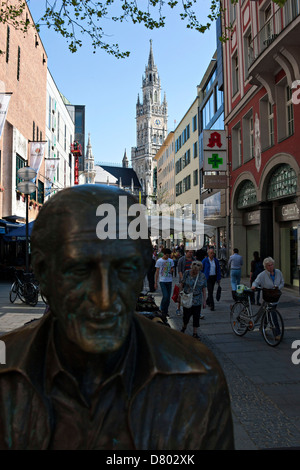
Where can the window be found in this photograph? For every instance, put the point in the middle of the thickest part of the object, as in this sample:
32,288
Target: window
7,43
236,146
235,74
248,136
289,111
195,149
33,131
186,183
248,52
65,138
195,123
290,10
18,63
268,23
195,177
58,126
208,111
271,123
251,138
20,162
246,195
283,182
49,113
232,12
178,188
285,111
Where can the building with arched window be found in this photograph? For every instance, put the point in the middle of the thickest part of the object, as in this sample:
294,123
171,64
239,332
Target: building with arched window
262,116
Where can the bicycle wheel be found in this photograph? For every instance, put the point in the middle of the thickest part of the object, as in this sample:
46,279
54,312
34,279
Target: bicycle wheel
239,318
272,327
31,294
13,292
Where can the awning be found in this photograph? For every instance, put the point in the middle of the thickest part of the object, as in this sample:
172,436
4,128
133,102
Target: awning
18,233
165,225
5,226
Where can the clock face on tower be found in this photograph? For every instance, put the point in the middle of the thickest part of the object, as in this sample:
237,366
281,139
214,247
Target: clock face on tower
157,122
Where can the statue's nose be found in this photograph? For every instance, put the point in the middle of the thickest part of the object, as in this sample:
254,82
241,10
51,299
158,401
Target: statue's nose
100,292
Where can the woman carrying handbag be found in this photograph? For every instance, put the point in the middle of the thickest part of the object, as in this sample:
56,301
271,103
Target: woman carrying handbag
193,282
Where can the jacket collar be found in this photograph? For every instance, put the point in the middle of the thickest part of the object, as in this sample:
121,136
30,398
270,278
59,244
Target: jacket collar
153,349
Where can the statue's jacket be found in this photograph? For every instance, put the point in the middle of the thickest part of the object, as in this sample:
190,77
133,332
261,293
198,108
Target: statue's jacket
179,398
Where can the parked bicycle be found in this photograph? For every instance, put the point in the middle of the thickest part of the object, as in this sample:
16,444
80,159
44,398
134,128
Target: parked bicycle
24,288
267,318
224,267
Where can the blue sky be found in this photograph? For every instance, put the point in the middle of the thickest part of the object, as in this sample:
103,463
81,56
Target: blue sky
108,87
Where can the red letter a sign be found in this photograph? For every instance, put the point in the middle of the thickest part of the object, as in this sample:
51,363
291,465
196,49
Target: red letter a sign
215,139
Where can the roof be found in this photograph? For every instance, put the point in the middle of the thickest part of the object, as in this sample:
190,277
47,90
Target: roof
126,175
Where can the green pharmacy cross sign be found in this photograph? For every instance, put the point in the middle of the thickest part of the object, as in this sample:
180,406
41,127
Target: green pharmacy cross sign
215,161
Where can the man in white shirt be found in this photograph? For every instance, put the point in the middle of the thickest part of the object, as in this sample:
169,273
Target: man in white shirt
164,271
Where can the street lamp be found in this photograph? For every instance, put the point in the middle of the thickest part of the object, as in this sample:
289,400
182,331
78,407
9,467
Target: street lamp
26,187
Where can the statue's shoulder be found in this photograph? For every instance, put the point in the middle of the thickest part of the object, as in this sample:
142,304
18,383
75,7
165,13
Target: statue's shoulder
25,342
175,350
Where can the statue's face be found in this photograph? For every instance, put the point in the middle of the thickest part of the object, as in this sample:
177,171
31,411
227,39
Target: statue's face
94,288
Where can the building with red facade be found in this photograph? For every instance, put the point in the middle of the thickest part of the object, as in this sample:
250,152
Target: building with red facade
262,119
23,74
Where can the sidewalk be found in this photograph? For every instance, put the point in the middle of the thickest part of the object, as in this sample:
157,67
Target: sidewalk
263,382
14,315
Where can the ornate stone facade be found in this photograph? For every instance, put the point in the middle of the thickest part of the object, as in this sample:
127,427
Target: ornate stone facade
151,127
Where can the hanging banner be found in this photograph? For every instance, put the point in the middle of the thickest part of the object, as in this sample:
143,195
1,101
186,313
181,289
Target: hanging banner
37,150
50,172
4,102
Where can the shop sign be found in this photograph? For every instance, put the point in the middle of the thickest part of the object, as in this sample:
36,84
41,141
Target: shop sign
214,140
287,212
252,218
214,150
215,181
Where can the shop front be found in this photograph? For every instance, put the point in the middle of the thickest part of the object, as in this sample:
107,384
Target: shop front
287,245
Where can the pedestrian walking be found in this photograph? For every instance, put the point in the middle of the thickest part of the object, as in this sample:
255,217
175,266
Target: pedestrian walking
164,270
184,263
194,281
175,255
235,264
151,272
256,268
212,271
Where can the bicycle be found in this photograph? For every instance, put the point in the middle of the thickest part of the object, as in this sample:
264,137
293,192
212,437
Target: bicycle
24,288
268,318
223,267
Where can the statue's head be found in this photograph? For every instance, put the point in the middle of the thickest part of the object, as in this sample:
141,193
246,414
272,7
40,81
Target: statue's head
90,264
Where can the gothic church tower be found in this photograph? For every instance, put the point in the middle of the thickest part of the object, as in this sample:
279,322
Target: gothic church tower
151,126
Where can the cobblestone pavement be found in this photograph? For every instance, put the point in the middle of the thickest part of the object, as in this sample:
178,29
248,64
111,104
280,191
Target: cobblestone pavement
263,382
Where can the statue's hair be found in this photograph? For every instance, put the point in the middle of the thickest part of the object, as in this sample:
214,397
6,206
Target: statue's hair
72,202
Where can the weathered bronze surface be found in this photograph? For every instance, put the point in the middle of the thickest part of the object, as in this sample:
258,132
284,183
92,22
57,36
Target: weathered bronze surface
92,374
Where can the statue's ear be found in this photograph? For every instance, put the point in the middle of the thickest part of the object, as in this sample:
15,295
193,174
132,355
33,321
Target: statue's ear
41,266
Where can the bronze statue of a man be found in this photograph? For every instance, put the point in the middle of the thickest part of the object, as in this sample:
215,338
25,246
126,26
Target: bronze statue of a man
91,373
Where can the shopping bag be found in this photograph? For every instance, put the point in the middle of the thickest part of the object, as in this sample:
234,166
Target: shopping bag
175,296
218,294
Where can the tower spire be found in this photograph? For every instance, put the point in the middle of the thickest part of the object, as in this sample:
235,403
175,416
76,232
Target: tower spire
151,59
